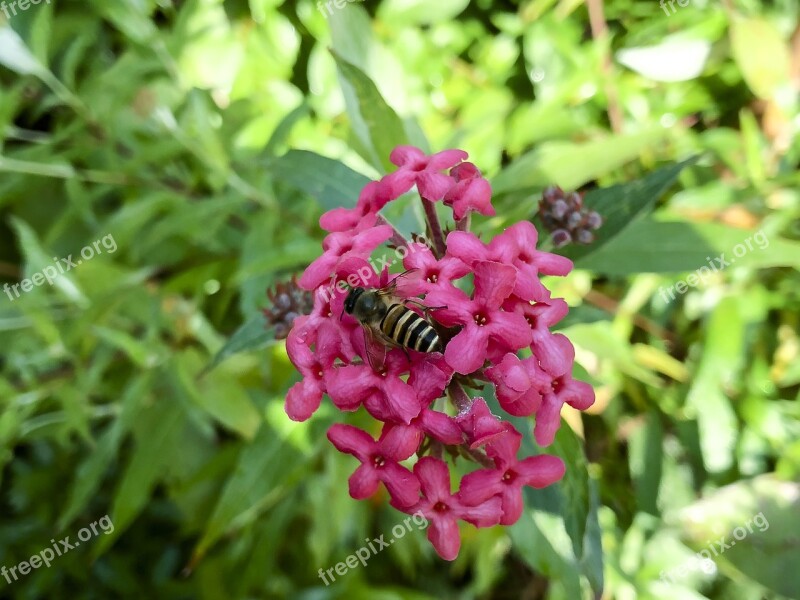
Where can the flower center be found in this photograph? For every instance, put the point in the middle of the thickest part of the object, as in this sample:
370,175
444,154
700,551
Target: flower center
531,321
433,277
480,319
557,385
509,476
346,248
378,461
441,507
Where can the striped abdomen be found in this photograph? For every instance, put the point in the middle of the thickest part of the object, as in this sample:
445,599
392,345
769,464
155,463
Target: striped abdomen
408,329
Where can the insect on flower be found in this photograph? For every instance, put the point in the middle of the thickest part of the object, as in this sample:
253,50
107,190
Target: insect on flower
387,318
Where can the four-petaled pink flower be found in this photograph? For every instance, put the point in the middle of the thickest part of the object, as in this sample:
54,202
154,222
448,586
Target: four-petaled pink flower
432,273
481,317
379,463
417,168
383,393
471,192
340,245
506,480
519,384
373,197
479,424
442,509
304,397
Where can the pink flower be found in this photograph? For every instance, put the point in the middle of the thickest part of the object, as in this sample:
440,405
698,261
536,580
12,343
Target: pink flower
515,246
519,246
433,274
425,171
384,394
577,394
519,384
379,463
341,245
304,397
545,345
510,474
480,425
443,509
481,317
471,192
373,197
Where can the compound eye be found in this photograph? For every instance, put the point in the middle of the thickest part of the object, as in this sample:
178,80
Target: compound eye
368,303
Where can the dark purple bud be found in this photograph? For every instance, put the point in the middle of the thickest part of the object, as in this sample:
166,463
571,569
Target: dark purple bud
594,220
287,302
574,219
561,237
575,200
584,236
559,209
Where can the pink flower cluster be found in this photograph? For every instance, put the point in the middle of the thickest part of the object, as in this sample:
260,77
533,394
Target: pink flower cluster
509,310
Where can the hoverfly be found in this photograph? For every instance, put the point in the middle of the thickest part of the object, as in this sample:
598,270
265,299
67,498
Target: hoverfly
386,316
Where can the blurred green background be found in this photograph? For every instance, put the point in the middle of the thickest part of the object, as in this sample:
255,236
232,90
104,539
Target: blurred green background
206,138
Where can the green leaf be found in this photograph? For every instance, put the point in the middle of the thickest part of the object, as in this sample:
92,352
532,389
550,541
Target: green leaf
762,55
158,434
253,335
570,165
420,12
624,204
332,183
221,396
757,519
38,258
90,474
707,400
649,246
265,465
645,458
375,123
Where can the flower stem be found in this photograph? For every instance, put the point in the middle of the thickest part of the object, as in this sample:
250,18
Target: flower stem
397,239
463,224
437,234
459,397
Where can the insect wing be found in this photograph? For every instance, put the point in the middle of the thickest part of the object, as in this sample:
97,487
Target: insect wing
374,350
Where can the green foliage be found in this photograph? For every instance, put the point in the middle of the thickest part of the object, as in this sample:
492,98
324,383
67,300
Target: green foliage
206,138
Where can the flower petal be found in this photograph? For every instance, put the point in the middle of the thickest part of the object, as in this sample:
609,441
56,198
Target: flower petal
467,351
444,535
403,486
434,478
494,282
540,471
351,440
511,500
363,482
303,399
479,486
